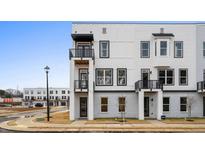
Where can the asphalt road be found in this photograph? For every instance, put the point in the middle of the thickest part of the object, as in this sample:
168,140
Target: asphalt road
23,115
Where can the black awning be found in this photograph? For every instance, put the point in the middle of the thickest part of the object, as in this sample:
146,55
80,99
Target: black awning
163,34
82,37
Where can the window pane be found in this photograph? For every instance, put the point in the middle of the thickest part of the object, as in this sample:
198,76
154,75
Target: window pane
144,49
163,44
162,73
104,49
121,104
183,73
104,104
183,104
163,48
169,72
166,104
122,77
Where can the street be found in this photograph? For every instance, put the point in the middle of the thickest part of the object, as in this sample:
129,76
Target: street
24,115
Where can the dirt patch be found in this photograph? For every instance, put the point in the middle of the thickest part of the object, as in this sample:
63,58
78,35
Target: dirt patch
12,123
116,121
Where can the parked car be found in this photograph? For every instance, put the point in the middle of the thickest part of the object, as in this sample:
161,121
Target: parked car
39,105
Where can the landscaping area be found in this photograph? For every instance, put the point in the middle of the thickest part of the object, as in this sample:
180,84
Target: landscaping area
56,118
184,121
117,121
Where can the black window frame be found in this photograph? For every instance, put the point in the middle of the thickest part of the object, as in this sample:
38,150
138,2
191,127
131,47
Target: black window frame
106,105
125,69
104,41
121,107
168,104
175,50
183,105
96,81
167,76
187,73
141,53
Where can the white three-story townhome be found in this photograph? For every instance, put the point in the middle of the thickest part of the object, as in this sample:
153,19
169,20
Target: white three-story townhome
139,69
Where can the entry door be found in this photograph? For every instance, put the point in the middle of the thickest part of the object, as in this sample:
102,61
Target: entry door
83,107
145,75
204,106
84,49
146,106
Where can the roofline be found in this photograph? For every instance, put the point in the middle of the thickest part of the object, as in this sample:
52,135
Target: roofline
138,22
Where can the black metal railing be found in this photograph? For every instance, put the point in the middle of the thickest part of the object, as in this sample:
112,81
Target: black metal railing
81,53
81,84
148,84
201,85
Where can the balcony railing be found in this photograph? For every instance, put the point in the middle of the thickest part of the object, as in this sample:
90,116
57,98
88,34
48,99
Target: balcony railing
201,85
81,84
148,84
81,53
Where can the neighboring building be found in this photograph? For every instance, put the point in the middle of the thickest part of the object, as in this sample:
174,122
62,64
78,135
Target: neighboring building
57,96
15,101
144,70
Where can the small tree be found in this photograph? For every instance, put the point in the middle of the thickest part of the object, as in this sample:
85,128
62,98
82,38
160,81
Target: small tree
190,101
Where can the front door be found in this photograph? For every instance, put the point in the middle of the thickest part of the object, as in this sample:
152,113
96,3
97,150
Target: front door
145,78
146,106
204,106
83,107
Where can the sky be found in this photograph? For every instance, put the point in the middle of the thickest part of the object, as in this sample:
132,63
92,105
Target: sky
27,47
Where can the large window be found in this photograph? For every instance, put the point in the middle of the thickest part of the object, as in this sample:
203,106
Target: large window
145,49
104,77
121,76
204,75
63,91
183,104
166,104
183,77
166,76
121,104
163,48
178,49
104,104
203,48
104,47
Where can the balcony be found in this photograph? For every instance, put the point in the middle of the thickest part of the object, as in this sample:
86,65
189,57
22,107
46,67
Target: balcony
81,53
201,86
148,85
81,85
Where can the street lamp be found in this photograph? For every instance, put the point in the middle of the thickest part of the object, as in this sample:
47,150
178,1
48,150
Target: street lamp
48,105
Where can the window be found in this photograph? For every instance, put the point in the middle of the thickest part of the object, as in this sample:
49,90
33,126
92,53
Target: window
121,76
26,92
166,76
178,49
56,92
145,49
63,91
51,92
104,104
163,48
104,49
203,48
183,77
38,92
63,97
166,104
104,77
121,104
31,91
104,30
204,75
183,104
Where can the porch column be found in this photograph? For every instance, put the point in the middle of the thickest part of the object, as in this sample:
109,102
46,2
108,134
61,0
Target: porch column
72,92
141,105
159,104
90,91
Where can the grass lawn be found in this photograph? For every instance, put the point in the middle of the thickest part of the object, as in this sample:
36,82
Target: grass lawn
116,121
184,121
56,118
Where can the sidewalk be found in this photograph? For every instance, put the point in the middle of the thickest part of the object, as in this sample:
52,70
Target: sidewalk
30,125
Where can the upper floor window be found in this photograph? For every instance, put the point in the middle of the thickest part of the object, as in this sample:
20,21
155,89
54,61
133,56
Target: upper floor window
38,92
51,92
104,77
145,49
104,47
26,92
163,48
183,103
166,76
203,48
63,91
204,75
183,77
31,91
178,49
121,76
56,92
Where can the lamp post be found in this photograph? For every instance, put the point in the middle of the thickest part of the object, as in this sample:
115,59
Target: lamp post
48,105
